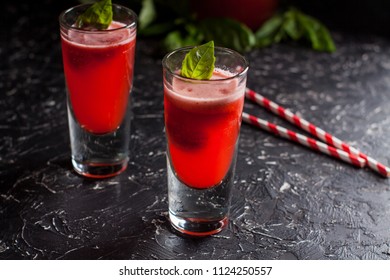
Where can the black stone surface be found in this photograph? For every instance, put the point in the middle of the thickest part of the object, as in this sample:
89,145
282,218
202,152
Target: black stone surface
288,202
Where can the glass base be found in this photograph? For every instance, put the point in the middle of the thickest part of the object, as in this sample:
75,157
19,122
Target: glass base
99,170
197,227
195,211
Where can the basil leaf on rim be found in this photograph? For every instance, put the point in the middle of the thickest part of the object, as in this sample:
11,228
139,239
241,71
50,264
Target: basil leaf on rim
199,63
98,16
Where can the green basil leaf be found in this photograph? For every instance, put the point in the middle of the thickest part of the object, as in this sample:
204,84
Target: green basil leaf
228,33
291,25
175,40
327,41
316,33
147,14
270,32
270,27
199,62
295,25
265,42
98,16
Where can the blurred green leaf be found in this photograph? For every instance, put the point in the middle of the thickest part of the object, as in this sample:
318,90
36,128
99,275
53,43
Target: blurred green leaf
228,33
328,43
173,40
147,14
176,39
295,25
291,24
316,33
265,36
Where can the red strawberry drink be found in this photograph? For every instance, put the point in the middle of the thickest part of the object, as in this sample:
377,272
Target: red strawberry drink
202,123
98,67
99,72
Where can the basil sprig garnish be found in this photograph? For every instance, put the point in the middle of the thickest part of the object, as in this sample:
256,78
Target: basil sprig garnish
199,63
98,16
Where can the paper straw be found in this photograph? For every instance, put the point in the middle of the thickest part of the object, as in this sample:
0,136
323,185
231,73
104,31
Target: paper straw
303,140
316,131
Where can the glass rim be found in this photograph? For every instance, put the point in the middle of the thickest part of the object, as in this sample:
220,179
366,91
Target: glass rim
64,24
224,49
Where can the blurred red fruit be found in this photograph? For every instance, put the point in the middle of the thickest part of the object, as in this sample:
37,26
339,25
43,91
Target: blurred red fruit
250,12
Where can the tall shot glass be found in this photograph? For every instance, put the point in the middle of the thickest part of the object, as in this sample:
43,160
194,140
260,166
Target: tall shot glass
202,124
98,67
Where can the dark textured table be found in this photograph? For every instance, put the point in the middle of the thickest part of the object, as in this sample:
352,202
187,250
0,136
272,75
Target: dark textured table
288,202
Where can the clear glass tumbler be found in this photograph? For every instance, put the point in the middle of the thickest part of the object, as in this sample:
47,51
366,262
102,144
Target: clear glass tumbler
98,67
202,124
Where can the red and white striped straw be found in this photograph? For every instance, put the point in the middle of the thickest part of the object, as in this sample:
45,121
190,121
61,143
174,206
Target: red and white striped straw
303,140
316,131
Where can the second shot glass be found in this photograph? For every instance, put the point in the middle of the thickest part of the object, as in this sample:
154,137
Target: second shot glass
202,123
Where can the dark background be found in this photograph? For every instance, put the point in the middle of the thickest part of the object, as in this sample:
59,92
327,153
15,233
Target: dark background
288,202
365,16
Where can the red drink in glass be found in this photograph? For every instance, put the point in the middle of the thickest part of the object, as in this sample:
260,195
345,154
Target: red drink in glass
98,67
99,72
202,124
